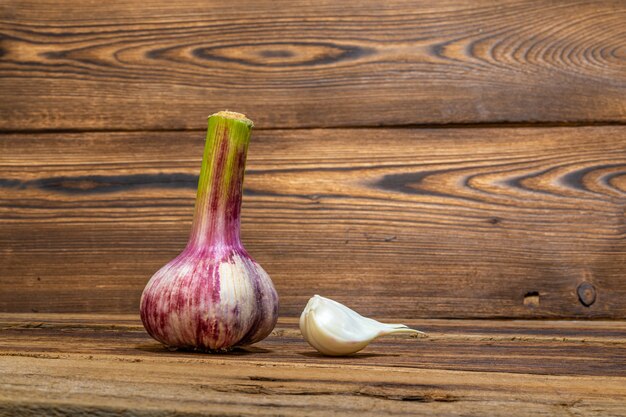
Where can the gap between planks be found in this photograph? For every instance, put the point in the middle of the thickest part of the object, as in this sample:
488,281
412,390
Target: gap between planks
425,126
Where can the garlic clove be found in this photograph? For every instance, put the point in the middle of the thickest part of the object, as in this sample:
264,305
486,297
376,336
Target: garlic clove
336,330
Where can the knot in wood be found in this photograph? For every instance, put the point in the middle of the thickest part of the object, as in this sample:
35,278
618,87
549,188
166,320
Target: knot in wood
586,294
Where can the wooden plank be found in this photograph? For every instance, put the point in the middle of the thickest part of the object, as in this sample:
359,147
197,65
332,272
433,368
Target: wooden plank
113,386
166,65
525,347
395,223
75,364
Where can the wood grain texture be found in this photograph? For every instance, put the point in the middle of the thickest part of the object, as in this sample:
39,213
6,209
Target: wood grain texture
108,365
592,348
516,222
165,65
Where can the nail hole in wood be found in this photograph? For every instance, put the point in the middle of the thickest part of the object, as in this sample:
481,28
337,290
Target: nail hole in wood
531,299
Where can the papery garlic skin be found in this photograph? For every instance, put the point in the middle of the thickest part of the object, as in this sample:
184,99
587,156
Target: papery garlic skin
335,330
213,296
210,301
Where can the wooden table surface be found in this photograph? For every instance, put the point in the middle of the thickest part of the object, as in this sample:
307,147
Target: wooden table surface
457,165
107,365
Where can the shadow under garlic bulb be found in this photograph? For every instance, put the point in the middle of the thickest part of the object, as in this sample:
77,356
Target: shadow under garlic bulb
213,296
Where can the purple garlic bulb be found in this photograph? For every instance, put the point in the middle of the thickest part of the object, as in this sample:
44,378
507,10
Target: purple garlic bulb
214,296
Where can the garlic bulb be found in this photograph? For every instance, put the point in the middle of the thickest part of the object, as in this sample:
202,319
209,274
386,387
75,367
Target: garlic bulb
335,330
213,296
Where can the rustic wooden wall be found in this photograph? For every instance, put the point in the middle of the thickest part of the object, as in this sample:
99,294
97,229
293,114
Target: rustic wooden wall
412,159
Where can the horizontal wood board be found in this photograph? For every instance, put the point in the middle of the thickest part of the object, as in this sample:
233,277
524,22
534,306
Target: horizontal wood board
593,348
108,365
158,64
473,222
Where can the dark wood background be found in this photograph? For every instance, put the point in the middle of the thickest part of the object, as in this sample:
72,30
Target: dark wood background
447,159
